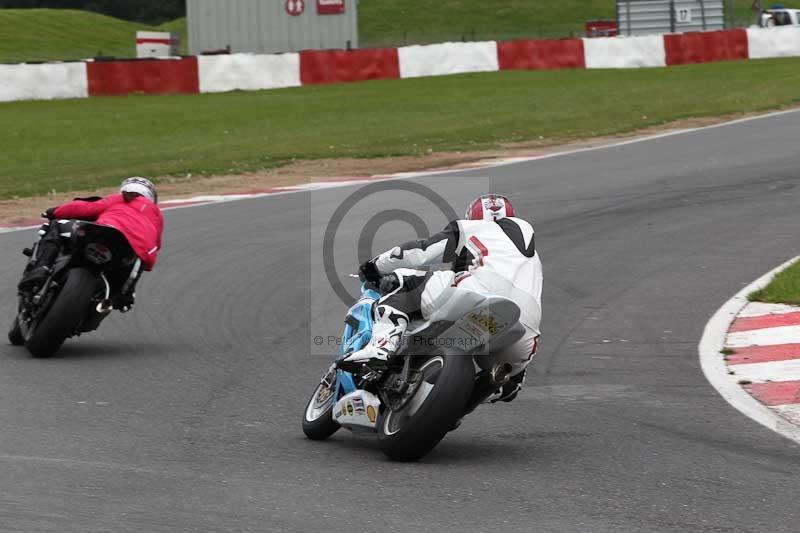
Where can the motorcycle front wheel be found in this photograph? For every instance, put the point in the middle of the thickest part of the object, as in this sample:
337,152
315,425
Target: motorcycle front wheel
416,426
318,422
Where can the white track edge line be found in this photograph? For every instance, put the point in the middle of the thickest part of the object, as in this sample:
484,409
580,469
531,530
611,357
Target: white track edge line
488,165
716,371
646,138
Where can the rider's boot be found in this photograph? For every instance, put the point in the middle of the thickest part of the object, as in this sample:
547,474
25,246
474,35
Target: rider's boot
390,324
40,268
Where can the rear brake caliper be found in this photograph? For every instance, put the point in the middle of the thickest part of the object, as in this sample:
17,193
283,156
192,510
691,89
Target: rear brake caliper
399,390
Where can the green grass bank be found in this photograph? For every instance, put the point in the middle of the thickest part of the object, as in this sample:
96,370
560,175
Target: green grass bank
60,34
66,34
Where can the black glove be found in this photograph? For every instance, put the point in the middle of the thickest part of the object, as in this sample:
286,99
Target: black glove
369,272
511,389
49,213
389,283
123,302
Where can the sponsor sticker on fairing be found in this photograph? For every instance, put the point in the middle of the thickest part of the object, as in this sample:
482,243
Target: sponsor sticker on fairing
487,322
474,332
358,405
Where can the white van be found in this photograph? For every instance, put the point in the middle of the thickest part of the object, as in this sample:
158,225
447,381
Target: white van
780,17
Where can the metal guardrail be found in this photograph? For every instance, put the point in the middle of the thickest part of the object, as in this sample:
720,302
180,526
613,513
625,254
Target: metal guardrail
646,17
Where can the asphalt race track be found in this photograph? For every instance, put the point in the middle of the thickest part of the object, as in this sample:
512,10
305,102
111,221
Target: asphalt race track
185,414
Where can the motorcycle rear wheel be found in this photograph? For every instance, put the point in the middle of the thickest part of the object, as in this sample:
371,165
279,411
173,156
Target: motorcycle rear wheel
409,433
65,315
318,422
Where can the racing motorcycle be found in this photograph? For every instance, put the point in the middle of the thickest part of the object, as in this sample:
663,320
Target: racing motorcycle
443,371
76,297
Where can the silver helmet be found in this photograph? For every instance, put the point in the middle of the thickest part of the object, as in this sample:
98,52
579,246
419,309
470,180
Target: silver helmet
141,186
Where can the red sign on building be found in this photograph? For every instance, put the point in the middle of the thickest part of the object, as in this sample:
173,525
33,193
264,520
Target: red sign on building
330,7
295,7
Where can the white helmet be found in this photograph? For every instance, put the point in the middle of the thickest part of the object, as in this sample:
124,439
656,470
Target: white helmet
141,186
489,207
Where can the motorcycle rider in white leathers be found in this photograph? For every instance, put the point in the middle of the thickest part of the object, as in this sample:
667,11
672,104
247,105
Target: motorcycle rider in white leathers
490,252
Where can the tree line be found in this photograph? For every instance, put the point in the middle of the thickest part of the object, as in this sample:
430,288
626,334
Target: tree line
145,11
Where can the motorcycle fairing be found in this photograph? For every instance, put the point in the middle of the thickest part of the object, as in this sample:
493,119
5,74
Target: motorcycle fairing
357,410
359,322
357,333
475,320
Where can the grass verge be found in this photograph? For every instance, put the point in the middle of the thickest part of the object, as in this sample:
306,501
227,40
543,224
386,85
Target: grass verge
783,289
87,144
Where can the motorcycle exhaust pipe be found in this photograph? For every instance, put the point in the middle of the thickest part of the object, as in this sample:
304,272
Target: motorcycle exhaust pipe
106,306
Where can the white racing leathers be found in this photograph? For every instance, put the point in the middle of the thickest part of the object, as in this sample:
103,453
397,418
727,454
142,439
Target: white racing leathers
490,257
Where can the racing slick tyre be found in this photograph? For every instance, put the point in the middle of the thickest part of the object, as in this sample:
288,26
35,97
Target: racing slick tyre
15,334
432,409
66,314
318,422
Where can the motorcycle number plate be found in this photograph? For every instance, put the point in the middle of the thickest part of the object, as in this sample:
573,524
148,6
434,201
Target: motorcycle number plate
97,253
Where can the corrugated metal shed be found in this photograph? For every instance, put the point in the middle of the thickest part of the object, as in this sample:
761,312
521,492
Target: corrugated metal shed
643,17
266,26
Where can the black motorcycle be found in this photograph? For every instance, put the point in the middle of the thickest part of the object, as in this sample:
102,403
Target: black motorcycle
94,263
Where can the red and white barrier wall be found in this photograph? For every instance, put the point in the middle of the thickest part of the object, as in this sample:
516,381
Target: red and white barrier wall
447,58
249,72
43,82
246,72
630,52
775,42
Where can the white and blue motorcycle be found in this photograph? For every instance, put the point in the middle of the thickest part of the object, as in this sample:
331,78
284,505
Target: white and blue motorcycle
443,371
